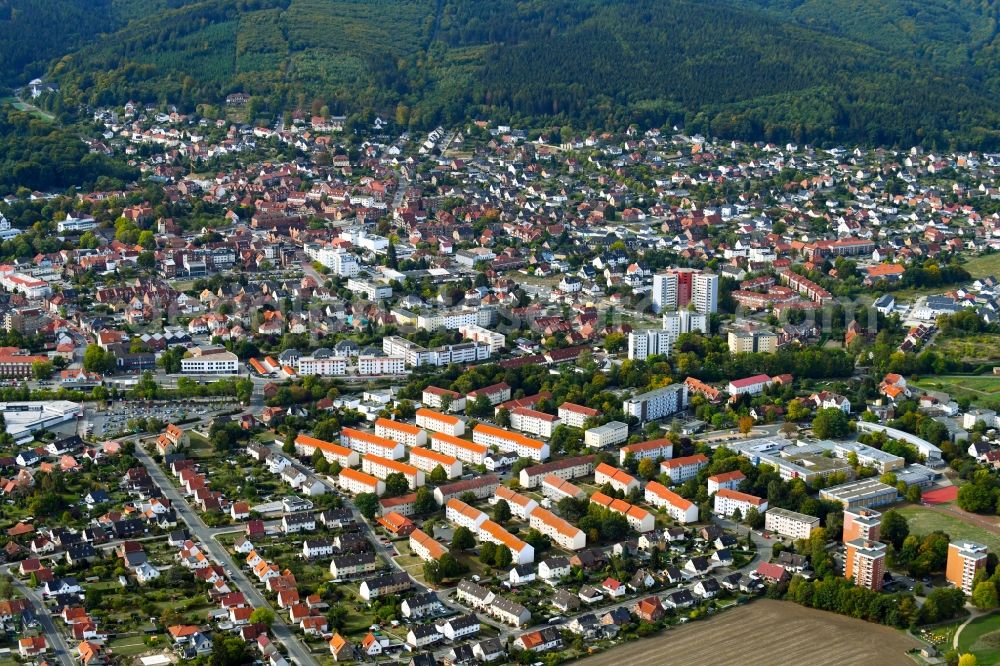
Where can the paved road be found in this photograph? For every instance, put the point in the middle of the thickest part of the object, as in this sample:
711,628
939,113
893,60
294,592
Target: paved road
296,650
56,641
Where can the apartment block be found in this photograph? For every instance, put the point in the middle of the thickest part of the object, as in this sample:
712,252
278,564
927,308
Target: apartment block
747,341
653,449
306,446
862,523
658,403
366,443
462,449
678,508
965,558
438,422
789,523
529,420
865,563
562,533
354,482
520,505
609,434
651,342
567,468
496,393
557,489
404,433
727,480
616,478
428,460
510,442
381,468
728,501
681,469
373,366
576,415
460,514
638,518
436,398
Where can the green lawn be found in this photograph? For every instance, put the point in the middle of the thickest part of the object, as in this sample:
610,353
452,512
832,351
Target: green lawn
982,638
983,347
982,266
924,521
982,390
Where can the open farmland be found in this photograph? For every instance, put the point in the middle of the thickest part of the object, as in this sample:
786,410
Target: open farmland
768,632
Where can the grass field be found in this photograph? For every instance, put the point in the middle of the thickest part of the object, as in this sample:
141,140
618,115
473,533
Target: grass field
768,632
924,521
983,347
982,390
982,266
981,637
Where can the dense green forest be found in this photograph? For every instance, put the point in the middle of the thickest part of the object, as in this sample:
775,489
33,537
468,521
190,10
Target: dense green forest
829,71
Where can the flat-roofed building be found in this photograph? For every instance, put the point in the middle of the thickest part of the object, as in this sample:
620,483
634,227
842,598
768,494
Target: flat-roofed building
864,561
728,501
561,531
462,449
869,456
862,523
658,403
567,468
576,415
965,558
653,449
366,443
428,460
346,457
355,482
609,434
438,422
790,523
381,468
510,442
863,493
404,433
681,510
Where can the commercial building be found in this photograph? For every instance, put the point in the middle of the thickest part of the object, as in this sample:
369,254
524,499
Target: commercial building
381,468
416,356
869,456
609,434
562,533
462,449
535,422
746,341
860,494
678,508
438,422
404,433
965,558
576,415
510,442
25,418
428,460
862,524
728,501
789,523
658,403
864,561
653,449
567,469
207,361
681,469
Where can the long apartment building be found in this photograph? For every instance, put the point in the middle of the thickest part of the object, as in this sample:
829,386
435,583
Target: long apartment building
603,436
381,468
790,523
529,420
520,505
561,531
523,553
965,558
575,415
616,478
480,487
728,501
366,443
864,561
495,393
372,366
557,489
638,518
494,339
510,442
438,422
404,433
729,480
460,514
653,449
462,449
681,510
416,355
306,446
428,460
425,546
332,366
436,398
567,469
681,469
354,482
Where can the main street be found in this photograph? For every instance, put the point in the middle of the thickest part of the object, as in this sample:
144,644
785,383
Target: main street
297,651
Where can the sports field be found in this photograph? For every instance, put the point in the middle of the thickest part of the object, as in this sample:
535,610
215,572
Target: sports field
924,520
768,632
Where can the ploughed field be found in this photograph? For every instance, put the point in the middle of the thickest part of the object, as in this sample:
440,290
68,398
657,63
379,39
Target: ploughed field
767,632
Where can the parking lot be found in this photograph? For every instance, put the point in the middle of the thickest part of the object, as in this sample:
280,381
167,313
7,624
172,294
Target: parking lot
114,420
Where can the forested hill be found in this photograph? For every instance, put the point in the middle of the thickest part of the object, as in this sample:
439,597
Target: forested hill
820,70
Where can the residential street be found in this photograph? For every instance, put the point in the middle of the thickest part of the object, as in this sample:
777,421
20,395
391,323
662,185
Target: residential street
60,649
296,650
